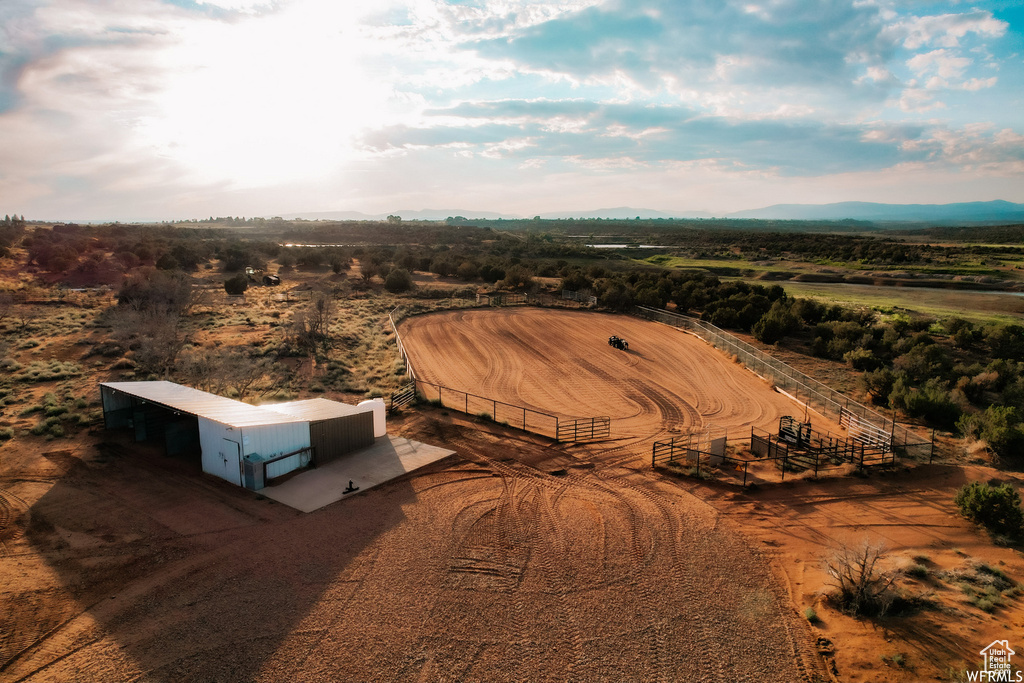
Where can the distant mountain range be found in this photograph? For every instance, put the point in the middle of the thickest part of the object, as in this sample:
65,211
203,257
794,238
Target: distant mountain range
406,214
980,212
966,212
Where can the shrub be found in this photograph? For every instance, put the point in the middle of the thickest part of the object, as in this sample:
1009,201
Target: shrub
811,615
918,571
236,285
997,508
860,587
863,360
398,280
6,433
999,426
776,324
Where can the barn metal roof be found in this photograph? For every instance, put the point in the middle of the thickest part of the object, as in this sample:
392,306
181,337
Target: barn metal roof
318,409
202,404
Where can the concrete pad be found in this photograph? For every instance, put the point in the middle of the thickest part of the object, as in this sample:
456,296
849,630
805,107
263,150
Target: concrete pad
389,457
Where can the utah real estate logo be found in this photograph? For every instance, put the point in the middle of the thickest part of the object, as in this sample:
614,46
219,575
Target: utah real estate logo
997,665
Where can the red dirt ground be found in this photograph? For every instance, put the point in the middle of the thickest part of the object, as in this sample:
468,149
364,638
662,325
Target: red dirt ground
517,559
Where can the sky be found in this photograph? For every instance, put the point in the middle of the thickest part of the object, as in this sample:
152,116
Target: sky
176,109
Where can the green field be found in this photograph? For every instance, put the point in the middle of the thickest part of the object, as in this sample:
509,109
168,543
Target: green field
938,303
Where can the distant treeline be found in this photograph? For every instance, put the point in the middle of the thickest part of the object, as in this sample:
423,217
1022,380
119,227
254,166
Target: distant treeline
990,234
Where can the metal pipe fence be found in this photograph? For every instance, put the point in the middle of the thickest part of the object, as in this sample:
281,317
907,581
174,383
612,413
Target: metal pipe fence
517,416
788,379
680,453
401,314
520,417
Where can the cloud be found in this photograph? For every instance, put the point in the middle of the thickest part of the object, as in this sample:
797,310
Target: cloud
161,100
651,135
972,149
666,43
944,63
947,30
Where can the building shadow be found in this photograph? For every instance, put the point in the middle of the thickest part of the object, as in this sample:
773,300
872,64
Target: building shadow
152,570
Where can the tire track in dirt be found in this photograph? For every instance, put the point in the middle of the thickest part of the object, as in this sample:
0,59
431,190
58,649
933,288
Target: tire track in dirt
683,543
14,512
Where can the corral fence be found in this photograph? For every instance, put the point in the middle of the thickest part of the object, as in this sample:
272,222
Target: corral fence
405,396
502,298
817,452
396,315
699,452
867,423
585,297
517,416
795,449
585,429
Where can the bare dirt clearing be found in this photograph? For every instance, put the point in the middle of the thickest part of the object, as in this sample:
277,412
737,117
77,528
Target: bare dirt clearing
480,568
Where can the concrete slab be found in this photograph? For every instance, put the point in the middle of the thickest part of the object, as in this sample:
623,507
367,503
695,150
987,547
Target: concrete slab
389,457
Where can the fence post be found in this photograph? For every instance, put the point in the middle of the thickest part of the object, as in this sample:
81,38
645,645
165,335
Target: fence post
467,404
745,466
494,410
931,450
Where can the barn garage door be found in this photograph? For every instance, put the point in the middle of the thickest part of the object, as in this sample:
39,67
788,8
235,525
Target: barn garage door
335,437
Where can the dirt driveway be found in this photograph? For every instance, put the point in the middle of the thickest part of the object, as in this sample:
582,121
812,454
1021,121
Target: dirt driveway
124,565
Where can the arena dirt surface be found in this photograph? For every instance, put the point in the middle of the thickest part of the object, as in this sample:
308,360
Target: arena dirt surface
559,362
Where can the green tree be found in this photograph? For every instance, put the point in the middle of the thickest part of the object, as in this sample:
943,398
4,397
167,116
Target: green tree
398,280
997,508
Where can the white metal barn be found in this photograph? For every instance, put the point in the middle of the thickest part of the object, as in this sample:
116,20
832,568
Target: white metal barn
238,442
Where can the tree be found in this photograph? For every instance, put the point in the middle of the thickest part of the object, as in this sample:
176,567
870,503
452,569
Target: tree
776,324
367,269
398,280
517,277
151,318
223,369
997,508
312,325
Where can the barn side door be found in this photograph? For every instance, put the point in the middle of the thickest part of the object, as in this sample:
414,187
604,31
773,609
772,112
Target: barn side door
231,453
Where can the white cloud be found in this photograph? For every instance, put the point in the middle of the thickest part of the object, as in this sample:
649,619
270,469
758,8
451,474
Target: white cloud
946,30
944,63
237,5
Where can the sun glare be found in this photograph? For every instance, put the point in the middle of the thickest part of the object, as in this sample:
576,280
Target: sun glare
268,98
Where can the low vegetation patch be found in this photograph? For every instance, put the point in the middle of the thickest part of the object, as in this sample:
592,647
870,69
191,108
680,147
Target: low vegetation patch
860,586
48,371
997,508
